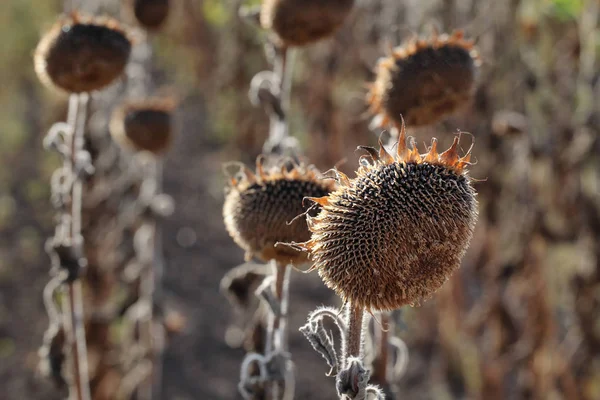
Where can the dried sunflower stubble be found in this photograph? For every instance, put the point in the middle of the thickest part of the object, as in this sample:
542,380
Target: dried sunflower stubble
423,81
82,53
144,125
301,22
261,208
395,233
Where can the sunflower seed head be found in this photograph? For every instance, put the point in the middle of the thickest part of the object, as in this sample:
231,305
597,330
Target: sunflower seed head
261,208
82,53
144,125
424,80
150,14
395,233
301,22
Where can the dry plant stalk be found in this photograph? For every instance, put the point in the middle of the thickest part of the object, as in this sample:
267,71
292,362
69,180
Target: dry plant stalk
97,61
260,211
143,128
66,252
249,195
389,237
261,208
120,209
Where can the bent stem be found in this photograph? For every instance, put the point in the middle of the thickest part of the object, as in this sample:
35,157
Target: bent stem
352,378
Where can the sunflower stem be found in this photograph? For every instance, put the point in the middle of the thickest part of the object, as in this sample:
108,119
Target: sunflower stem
73,315
277,330
383,336
382,358
281,287
279,121
279,127
354,339
149,289
73,302
353,379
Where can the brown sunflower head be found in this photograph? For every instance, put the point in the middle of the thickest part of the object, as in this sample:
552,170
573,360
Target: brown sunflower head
144,125
82,53
424,80
261,208
301,22
395,233
150,14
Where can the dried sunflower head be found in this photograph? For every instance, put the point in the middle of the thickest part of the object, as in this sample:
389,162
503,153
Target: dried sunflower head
259,208
424,80
395,233
301,22
144,125
150,14
82,53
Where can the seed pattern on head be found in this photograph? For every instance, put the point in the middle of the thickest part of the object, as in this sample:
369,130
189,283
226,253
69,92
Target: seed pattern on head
144,125
301,22
395,233
423,81
259,208
82,53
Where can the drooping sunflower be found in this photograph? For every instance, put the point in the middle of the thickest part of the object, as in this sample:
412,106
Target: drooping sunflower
301,22
150,14
261,208
424,80
81,53
395,233
144,124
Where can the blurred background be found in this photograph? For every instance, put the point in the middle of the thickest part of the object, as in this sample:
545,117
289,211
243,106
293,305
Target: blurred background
519,320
